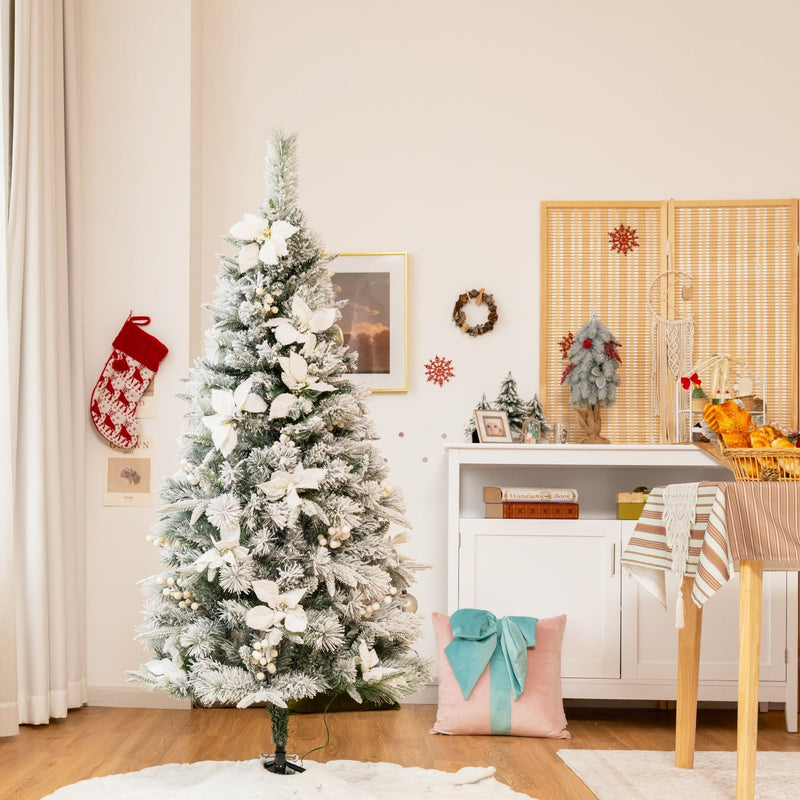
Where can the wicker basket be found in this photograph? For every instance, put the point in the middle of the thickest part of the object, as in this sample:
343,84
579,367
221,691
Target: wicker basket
763,463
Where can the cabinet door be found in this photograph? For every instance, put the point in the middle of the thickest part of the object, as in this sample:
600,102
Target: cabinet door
654,637
542,568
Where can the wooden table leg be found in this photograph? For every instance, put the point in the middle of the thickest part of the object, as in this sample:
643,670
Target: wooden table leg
751,574
688,673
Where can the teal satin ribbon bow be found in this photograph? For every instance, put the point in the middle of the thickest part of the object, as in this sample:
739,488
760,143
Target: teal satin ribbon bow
479,638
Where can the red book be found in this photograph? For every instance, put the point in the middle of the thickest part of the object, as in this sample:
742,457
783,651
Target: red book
511,509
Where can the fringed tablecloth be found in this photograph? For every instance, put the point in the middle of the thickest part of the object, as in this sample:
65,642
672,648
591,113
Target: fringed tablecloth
732,521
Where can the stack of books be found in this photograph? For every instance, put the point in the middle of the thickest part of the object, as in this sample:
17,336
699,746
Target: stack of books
529,502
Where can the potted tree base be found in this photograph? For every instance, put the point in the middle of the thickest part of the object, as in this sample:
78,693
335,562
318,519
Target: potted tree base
591,424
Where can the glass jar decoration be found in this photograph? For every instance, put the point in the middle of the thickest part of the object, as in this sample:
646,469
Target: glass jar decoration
531,432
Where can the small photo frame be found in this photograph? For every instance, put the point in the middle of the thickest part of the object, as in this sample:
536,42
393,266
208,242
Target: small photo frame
492,426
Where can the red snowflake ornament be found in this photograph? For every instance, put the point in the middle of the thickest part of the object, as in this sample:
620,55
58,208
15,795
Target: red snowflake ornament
439,370
623,239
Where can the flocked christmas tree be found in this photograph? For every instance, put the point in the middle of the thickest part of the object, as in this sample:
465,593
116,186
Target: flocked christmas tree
591,374
281,577
508,400
536,412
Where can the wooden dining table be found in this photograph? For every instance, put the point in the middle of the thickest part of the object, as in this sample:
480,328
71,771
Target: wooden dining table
753,524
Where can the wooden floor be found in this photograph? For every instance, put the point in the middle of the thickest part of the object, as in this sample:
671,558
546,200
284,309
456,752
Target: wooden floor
102,741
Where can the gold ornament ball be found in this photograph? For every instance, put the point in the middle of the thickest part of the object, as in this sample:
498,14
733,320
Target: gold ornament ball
409,602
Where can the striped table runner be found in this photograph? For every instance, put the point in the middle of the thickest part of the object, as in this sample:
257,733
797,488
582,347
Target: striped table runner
733,521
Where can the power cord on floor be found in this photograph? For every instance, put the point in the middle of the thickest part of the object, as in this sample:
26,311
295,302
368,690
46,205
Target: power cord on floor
327,733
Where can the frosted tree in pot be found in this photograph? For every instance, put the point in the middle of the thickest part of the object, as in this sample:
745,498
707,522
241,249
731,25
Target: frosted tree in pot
279,536
591,374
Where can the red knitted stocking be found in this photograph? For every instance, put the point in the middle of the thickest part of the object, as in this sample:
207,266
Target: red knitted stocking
127,373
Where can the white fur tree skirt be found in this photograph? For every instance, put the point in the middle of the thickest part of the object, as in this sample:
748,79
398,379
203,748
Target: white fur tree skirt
336,780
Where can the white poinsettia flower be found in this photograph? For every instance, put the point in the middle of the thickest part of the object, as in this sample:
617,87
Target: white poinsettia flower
280,608
248,256
370,670
282,405
269,238
224,512
225,551
304,322
295,375
166,668
228,404
288,484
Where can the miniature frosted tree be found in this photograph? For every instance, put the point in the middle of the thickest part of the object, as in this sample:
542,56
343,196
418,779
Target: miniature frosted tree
471,428
591,374
508,400
279,535
536,412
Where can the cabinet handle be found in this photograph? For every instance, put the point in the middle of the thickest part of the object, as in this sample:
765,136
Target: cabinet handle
613,559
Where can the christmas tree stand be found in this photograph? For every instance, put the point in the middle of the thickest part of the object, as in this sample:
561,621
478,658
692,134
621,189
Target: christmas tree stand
277,762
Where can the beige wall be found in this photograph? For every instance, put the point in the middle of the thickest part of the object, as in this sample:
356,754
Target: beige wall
431,126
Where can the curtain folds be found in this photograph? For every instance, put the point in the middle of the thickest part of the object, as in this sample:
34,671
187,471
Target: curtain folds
46,415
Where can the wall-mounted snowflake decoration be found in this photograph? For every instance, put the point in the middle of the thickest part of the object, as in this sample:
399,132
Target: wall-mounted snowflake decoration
439,370
623,239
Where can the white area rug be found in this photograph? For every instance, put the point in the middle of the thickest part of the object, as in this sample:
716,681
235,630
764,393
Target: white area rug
336,780
651,775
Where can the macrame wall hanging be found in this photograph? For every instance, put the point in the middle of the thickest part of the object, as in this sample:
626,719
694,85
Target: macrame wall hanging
672,344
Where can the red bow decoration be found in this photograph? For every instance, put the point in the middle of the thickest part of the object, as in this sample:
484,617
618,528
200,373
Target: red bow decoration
694,379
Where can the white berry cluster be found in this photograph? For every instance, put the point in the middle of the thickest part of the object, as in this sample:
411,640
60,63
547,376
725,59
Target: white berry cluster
336,535
268,300
175,589
192,478
263,656
371,605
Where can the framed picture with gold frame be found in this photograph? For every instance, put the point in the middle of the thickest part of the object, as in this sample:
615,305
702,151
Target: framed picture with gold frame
374,318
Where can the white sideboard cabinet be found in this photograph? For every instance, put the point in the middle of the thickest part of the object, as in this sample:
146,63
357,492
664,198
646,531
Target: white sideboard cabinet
619,641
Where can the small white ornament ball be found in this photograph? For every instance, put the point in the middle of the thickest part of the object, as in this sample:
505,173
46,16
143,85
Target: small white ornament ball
259,291
182,604
273,653
387,600
170,581
160,579
166,592
260,676
256,654
262,661
195,606
393,590
271,668
335,543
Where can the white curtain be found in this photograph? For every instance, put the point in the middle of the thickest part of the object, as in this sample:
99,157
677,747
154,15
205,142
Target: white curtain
42,622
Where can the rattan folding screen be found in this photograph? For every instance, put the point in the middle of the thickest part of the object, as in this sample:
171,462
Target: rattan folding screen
742,259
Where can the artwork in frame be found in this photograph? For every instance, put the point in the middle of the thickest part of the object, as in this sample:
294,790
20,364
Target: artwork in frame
492,426
373,319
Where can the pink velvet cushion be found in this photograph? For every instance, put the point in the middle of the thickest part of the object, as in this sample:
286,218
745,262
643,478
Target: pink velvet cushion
539,711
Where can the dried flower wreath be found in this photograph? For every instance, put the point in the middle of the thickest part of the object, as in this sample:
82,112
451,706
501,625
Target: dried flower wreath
480,297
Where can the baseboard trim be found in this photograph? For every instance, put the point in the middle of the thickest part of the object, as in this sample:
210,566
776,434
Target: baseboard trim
131,697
